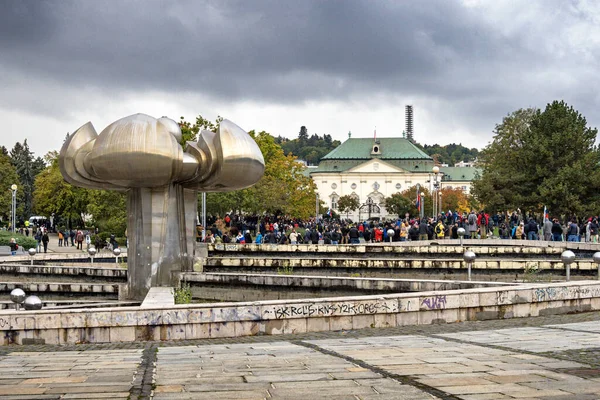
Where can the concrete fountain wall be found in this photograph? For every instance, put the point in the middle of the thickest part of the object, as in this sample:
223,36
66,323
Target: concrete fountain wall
199,321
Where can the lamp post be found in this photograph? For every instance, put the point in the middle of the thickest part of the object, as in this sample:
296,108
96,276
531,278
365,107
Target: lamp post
436,171
14,206
422,205
316,207
567,257
203,216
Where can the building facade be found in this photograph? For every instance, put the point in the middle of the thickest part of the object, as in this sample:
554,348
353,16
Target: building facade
373,169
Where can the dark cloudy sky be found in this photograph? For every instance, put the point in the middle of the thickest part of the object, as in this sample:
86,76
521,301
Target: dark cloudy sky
334,66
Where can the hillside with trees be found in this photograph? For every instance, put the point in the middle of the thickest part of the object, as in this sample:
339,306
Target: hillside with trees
308,148
449,154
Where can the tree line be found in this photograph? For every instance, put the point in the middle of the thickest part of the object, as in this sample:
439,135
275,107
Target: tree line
536,158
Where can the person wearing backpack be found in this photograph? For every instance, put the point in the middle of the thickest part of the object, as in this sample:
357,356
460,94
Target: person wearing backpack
439,230
13,246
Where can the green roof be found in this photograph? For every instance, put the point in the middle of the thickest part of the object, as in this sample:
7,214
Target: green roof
390,148
460,173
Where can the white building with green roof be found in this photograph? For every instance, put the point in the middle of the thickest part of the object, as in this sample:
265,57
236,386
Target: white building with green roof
372,170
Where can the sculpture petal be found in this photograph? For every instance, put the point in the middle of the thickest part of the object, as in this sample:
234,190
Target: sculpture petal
233,160
71,159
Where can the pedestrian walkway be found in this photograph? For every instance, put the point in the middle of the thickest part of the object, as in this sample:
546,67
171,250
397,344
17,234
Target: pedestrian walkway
552,358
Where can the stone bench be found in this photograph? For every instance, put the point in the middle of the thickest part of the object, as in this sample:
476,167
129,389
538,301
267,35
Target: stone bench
5,250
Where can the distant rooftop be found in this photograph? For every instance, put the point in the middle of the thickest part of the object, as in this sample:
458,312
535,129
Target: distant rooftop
390,149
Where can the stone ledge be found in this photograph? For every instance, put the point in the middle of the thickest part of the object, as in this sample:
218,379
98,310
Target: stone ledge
274,317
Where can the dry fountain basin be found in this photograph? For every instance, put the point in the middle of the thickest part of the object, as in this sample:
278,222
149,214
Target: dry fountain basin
158,318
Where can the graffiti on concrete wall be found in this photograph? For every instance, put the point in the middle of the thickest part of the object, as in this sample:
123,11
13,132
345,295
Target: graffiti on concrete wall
330,309
434,303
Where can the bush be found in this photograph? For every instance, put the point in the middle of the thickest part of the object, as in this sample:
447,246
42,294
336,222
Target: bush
26,242
183,294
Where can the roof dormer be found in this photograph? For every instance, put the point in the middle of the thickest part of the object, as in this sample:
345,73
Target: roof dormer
376,149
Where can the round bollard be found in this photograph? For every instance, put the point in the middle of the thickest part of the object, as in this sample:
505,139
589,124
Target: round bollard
92,252
117,253
596,258
469,257
461,234
32,252
390,234
33,303
17,296
567,257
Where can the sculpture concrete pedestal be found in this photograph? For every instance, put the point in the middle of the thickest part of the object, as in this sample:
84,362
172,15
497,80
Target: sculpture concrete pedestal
163,232
142,156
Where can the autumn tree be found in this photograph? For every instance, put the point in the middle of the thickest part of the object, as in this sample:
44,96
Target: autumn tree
347,204
283,189
455,200
426,201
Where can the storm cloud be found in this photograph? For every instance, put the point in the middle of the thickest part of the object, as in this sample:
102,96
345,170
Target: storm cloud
331,65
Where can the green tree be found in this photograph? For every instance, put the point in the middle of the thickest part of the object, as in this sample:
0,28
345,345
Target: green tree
399,204
27,168
55,196
190,131
108,209
347,204
542,159
426,201
8,177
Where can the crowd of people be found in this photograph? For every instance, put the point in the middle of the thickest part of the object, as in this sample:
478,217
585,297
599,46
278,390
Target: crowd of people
476,225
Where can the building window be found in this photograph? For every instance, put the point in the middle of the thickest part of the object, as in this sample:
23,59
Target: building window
398,186
353,186
334,200
464,188
334,186
448,187
376,186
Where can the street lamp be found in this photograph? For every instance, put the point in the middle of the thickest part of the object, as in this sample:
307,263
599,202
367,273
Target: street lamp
436,172
423,205
316,207
14,206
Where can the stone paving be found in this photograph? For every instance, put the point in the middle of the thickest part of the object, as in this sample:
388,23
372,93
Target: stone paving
550,358
98,374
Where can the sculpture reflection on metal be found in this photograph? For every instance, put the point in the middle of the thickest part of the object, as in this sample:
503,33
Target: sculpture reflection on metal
142,156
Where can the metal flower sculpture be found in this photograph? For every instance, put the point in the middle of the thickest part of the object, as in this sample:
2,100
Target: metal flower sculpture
141,155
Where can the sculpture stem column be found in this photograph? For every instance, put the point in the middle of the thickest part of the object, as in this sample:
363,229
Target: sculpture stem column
161,222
